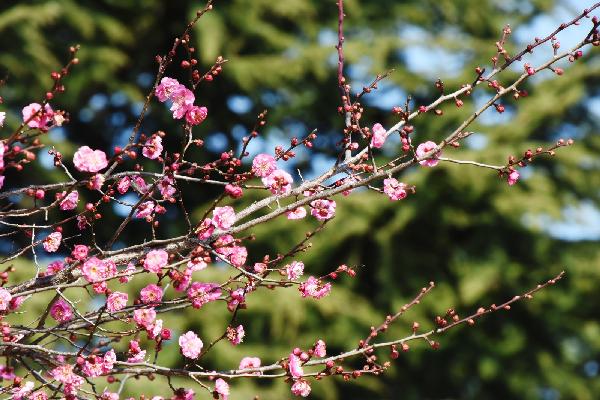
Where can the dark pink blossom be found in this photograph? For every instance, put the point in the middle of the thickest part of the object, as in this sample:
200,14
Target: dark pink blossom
54,267
233,191
96,270
195,115
61,311
80,252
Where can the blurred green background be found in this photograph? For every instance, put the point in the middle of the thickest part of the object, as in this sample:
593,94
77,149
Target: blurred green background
480,240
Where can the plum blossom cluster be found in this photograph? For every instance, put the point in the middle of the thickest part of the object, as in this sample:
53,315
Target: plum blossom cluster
182,101
120,333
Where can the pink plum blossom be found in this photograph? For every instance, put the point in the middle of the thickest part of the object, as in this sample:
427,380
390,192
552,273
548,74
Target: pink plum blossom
425,148
61,311
222,388
394,189
69,201
236,255
279,182
82,222
116,301
21,392
301,388
138,357
144,317
52,242
295,366
151,294
5,298
96,270
145,209
223,217
165,89
65,375
196,265
124,184
513,177
259,268
156,260
183,99
88,160
96,182
320,348
201,293
378,137
2,118
294,270
153,147
322,209
263,165
313,287
166,188
80,252
206,229
250,362
38,395
41,119
233,191
106,395
195,115
296,213
155,329
139,184
54,267
191,345
236,335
